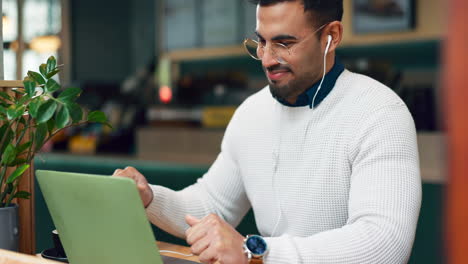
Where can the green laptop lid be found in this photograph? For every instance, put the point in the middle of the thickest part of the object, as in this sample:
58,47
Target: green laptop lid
100,219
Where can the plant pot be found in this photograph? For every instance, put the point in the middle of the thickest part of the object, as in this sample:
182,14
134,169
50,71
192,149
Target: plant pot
9,234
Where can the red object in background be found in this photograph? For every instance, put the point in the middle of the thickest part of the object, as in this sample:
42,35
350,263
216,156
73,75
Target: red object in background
165,94
456,109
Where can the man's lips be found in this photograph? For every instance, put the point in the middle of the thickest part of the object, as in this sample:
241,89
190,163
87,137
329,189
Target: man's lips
276,75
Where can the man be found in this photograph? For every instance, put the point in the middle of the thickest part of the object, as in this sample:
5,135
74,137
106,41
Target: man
329,165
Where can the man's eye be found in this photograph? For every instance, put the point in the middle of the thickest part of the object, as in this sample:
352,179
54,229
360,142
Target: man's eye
286,44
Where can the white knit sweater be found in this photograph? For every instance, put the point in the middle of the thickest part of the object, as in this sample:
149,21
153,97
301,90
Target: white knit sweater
336,184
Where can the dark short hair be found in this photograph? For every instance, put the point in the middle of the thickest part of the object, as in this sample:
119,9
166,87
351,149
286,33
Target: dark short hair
324,11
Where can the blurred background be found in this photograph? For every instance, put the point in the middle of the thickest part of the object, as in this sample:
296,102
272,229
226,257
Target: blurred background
170,73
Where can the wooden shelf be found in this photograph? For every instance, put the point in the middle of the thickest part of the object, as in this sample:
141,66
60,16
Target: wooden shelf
11,84
206,53
412,52
430,26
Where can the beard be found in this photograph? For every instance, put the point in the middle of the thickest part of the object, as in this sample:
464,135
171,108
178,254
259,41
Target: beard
282,92
291,89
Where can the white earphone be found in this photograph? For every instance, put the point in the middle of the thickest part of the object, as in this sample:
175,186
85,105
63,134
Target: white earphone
328,44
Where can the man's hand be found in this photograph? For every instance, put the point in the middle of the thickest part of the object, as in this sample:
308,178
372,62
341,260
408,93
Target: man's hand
214,240
144,189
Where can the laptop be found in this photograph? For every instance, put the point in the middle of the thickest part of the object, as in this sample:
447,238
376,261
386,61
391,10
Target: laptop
100,219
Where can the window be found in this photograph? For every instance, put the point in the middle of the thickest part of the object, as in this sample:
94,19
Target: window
40,18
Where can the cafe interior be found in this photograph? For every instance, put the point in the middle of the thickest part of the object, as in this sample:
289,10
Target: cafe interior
169,74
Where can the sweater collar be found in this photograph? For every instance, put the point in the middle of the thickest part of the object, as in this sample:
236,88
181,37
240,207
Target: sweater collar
307,97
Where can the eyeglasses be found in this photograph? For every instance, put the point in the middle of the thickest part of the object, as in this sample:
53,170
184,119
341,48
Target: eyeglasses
281,52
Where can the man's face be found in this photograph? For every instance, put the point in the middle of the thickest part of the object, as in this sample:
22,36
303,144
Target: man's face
288,24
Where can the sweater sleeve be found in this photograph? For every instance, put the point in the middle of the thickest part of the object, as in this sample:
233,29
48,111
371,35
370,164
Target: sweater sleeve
384,199
219,191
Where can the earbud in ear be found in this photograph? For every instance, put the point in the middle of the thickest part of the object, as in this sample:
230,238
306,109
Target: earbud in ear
328,44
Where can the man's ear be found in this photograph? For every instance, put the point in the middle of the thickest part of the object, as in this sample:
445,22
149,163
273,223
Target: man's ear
335,30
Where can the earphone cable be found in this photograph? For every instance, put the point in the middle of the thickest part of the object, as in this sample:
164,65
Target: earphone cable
324,71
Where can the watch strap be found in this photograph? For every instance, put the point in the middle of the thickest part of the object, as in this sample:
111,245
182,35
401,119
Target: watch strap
255,261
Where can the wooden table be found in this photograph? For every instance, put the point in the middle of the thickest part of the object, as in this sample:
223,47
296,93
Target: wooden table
176,248
9,257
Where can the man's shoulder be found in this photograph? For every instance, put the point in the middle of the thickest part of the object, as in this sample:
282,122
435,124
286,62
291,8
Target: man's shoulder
258,100
363,90
252,109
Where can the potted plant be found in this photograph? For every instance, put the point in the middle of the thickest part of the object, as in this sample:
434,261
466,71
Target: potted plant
30,117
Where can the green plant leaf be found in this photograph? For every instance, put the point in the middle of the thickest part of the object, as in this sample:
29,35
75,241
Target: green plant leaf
76,113
97,117
41,133
23,147
34,107
17,173
43,69
30,88
22,120
23,100
8,190
22,195
17,91
18,161
15,111
9,155
62,118
51,86
46,111
8,138
51,64
11,112
50,125
6,96
3,128
69,95
52,73
37,77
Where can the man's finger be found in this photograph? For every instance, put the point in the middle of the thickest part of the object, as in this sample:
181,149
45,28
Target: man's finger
198,247
140,180
195,233
191,220
208,256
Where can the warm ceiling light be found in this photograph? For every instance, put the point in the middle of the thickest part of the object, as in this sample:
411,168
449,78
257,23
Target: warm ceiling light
44,44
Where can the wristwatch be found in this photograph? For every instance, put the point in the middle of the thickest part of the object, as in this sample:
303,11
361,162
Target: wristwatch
255,248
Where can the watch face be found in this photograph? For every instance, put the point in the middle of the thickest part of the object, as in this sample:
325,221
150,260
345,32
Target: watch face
256,245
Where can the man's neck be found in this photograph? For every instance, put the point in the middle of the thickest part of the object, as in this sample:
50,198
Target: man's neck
330,59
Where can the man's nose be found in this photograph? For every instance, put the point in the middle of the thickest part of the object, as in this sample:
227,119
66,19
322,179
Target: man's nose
269,58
